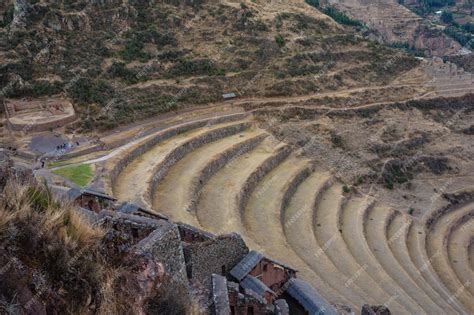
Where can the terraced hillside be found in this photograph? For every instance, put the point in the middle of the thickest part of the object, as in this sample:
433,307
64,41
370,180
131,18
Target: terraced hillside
395,24
226,174
330,159
123,61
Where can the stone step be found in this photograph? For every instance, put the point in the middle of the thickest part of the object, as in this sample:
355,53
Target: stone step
457,245
298,228
327,231
134,181
143,141
172,157
263,214
218,204
177,193
378,220
354,219
416,243
397,233
435,248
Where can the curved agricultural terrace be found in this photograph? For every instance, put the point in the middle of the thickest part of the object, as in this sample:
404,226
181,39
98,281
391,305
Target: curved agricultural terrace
226,174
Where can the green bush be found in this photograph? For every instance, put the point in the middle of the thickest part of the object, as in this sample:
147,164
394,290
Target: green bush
171,55
359,180
194,67
460,36
87,91
118,70
447,17
314,3
40,88
340,17
8,15
133,49
337,140
280,40
468,27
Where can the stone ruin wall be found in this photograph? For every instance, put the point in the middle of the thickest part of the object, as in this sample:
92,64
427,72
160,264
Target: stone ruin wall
208,257
165,244
39,127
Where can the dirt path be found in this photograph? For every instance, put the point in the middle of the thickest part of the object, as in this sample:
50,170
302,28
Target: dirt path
299,98
174,193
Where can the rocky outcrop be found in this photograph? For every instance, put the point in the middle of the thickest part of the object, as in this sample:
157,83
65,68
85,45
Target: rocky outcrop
215,256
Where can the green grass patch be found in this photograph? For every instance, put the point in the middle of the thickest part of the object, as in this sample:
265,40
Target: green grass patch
80,175
58,164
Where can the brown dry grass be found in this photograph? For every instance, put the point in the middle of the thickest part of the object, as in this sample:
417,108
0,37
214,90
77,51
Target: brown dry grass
44,238
48,238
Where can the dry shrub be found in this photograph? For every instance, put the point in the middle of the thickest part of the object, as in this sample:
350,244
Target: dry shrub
49,241
53,261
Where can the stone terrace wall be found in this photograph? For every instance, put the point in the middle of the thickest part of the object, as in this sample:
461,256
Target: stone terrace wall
165,244
293,185
38,127
208,257
258,174
160,171
118,143
456,200
458,224
220,161
308,112
166,134
191,234
134,226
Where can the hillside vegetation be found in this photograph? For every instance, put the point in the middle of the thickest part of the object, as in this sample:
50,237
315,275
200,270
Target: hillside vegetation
54,262
121,62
